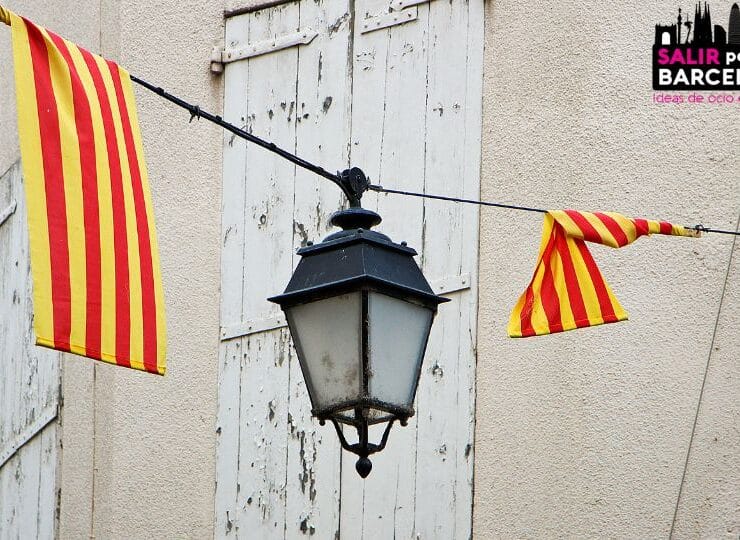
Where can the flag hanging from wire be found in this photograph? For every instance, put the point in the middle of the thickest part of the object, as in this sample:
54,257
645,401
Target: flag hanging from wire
567,290
94,259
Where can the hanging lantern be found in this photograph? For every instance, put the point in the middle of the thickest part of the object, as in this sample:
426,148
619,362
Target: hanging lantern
359,311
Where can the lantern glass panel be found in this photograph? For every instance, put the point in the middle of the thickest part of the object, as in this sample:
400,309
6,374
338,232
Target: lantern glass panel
398,336
328,338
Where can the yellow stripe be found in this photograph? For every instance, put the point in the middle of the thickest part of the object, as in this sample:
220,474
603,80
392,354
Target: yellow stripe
107,253
626,224
514,328
680,230
606,237
33,177
158,291
619,311
5,15
134,268
539,321
588,292
653,226
558,275
567,223
62,86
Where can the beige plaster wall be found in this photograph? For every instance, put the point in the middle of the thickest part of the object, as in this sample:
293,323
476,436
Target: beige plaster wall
138,450
585,434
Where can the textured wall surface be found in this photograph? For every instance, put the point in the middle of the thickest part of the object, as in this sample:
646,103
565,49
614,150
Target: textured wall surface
138,450
585,434
155,437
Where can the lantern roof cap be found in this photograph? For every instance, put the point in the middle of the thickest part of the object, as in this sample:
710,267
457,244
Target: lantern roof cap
354,259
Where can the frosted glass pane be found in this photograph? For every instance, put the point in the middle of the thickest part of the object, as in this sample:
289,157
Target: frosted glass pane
398,333
327,338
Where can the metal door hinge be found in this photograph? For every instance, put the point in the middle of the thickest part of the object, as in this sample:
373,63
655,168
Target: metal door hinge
253,326
46,417
219,57
448,285
9,211
399,12
451,284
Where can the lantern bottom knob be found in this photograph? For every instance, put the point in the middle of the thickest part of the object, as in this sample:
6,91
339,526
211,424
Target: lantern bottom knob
363,466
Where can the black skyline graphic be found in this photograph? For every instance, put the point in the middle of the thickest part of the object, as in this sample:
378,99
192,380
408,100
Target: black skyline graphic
700,31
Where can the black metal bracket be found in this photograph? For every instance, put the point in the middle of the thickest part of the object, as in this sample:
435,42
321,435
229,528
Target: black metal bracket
363,448
354,184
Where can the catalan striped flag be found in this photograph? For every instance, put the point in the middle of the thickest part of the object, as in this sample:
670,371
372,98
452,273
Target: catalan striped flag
567,290
96,280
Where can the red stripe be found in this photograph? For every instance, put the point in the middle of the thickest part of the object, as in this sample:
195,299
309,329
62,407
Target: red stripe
614,228
56,208
607,310
149,308
575,297
548,293
642,227
86,137
120,242
526,314
665,227
589,233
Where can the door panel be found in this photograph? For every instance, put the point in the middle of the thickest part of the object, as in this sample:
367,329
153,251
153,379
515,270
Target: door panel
403,103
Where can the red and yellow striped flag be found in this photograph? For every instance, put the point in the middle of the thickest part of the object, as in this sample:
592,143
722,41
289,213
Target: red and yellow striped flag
96,278
567,290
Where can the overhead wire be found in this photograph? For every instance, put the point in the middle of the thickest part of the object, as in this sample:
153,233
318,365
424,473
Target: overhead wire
197,113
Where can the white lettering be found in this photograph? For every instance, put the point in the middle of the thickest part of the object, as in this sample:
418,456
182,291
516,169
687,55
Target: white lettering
664,76
681,77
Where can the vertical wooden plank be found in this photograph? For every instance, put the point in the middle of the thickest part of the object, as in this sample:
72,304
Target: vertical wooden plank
263,442
389,490
16,390
267,267
465,424
47,496
322,133
232,276
369,60
23,485
30,386
227,442
443,241
7,368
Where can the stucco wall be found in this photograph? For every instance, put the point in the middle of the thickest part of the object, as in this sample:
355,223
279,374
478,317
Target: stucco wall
585,434
138,450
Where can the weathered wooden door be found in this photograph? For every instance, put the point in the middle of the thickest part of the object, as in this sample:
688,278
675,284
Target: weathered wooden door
393,87
29,385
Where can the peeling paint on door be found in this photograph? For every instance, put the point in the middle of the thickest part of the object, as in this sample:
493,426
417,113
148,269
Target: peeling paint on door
29,387
372,100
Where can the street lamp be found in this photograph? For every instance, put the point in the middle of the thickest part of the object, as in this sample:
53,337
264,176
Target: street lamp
359,311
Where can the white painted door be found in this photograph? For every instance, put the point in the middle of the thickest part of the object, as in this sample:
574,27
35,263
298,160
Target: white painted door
29,385
393,88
